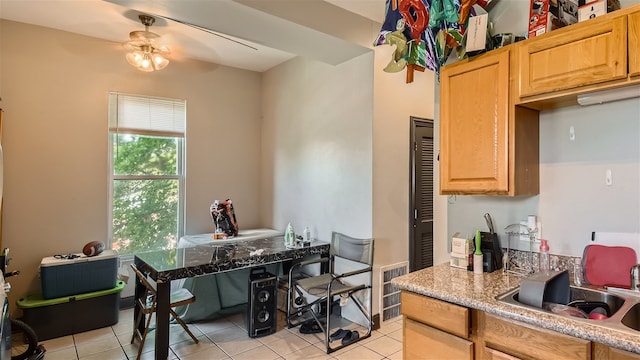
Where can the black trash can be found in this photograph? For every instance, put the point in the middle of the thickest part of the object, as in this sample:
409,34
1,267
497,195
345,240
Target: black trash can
262,304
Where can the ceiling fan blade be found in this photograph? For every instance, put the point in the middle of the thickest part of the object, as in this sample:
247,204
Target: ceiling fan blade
130,46
207,31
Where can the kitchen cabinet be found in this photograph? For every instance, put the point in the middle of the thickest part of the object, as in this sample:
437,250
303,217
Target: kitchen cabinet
604,352
528,342
434,329
582,54
634,44
488,145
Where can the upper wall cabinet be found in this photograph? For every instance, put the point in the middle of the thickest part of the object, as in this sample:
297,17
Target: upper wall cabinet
634,43
596,54
483,145
579,55
489,104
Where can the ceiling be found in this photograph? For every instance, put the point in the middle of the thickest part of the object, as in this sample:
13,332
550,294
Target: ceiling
254,34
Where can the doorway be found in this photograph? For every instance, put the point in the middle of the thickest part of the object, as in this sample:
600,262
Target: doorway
421,194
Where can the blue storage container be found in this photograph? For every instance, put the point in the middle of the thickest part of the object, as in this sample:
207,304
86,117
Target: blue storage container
66,277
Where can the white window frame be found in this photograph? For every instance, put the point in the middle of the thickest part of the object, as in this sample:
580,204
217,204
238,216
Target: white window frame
114,129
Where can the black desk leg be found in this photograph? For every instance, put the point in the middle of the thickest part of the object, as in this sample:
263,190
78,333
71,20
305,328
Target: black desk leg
162,319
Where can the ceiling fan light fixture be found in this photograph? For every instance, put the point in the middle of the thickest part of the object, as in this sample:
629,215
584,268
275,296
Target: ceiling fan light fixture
160,62
144,55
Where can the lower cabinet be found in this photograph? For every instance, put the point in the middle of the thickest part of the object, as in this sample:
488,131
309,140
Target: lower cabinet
425,342
528,342
604,352
435,329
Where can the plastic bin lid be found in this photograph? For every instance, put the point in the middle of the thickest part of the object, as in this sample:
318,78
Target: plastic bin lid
36,300
53,261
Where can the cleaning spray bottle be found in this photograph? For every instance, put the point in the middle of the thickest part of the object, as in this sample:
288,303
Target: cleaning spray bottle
543,265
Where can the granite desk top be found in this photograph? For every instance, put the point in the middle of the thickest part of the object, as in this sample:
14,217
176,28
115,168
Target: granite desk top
168,265
464,288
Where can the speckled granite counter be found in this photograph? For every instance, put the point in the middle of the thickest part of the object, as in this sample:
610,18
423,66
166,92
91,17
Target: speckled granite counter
462,287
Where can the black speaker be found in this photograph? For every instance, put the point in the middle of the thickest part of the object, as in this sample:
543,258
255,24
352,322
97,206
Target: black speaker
262,306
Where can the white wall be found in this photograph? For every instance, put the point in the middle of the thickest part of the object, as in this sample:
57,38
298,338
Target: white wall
54,97
300,94
317,149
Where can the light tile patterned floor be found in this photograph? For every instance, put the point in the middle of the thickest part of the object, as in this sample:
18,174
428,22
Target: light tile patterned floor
223,339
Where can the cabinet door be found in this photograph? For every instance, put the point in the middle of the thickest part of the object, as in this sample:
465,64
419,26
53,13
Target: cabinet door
421,341
518,339
604,352
474,114
442,315
634,44
617,354
583,54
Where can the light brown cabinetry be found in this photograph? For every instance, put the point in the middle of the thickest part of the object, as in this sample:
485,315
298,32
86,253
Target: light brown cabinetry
583,54
604,352
421,341
525,341
488,146
634,44
434,329
489,120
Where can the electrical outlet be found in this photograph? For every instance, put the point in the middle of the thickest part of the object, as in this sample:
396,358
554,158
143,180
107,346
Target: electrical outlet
572,133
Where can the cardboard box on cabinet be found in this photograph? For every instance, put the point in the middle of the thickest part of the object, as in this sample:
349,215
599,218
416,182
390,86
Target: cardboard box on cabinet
547,15
592,9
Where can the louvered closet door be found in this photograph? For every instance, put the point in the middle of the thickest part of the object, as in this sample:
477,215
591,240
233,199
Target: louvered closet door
422,248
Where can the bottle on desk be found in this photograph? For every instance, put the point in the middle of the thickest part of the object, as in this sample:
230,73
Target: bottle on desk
289,236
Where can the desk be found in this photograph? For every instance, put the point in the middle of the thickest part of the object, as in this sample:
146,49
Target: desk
218,294
167,265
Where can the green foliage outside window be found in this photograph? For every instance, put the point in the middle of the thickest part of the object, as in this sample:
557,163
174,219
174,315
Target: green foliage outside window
145,193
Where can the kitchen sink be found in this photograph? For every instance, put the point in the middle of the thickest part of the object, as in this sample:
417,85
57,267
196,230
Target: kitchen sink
583,298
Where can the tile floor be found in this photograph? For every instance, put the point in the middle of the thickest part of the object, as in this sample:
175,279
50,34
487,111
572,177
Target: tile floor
223,339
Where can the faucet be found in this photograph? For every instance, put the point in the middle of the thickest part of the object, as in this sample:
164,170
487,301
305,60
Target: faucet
635,277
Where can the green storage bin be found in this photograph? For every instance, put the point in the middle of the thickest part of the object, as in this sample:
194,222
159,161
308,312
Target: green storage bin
52,318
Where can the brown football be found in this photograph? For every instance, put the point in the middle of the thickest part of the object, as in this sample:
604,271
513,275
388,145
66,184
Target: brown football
93,248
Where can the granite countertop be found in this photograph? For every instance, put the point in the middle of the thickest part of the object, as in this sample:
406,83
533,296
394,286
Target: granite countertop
467,289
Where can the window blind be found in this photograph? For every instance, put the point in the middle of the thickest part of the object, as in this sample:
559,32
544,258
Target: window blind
146,115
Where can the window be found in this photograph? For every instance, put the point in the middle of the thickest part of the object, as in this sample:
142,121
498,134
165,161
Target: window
146,161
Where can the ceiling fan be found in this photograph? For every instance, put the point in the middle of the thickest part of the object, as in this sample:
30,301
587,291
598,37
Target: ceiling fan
146,53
